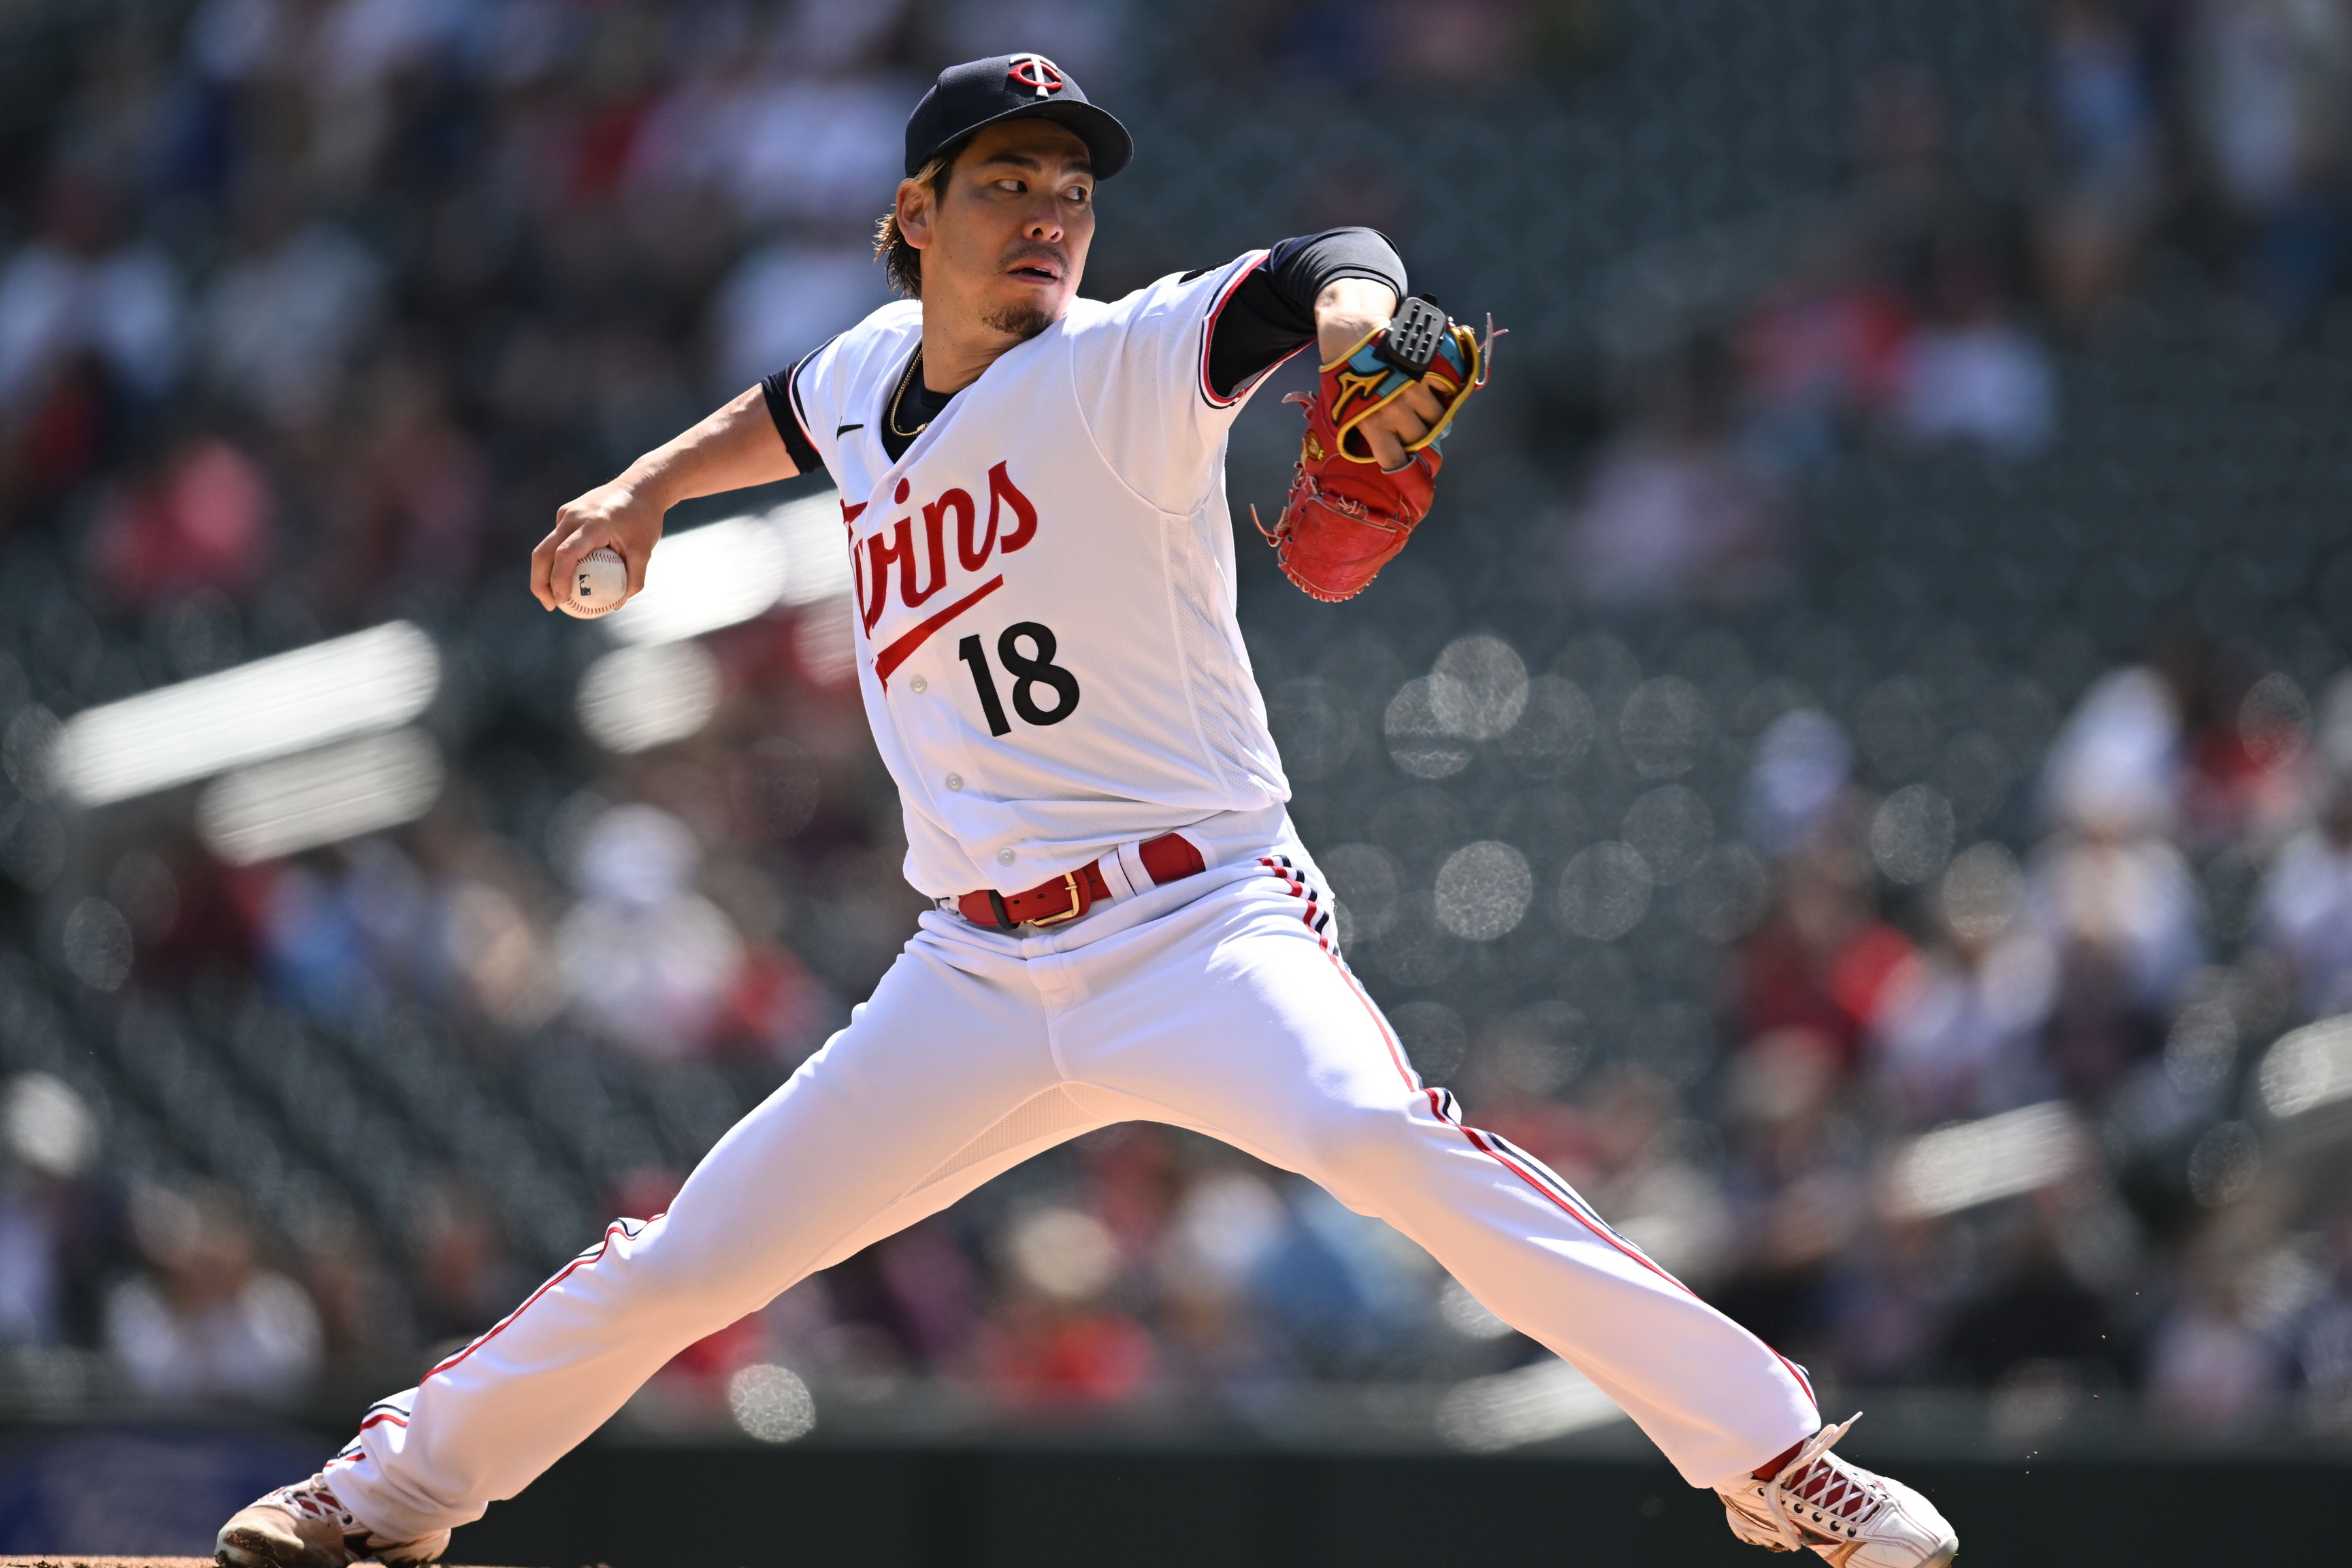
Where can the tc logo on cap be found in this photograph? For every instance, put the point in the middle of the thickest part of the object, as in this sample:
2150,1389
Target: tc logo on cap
1037,71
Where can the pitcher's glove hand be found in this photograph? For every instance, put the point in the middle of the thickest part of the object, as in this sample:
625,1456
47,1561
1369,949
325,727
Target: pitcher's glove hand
1345,517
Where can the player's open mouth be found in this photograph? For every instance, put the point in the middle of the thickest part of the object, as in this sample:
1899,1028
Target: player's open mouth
1035,274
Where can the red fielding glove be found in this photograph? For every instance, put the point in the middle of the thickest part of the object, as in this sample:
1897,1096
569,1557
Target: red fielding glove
1344,518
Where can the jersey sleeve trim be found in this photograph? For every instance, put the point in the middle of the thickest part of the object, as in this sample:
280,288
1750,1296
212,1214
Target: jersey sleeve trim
782,395
1209,332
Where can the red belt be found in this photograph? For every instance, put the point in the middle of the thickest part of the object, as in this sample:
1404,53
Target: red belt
1166,858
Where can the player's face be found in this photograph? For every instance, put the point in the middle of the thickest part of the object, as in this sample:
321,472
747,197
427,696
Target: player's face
1008,241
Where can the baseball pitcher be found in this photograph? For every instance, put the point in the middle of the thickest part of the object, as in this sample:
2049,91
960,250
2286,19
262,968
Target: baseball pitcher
1125,925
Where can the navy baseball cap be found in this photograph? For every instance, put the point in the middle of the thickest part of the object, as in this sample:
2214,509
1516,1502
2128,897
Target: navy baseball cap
1013,87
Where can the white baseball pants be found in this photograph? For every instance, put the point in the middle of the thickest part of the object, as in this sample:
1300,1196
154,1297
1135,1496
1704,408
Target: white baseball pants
1212,1003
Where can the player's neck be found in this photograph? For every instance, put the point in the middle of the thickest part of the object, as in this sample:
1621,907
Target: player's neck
959,345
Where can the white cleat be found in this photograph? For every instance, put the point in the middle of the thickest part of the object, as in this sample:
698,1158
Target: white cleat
305,1526
1852,1518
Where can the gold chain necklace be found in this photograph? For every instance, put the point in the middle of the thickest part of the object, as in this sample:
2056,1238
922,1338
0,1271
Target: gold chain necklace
890,415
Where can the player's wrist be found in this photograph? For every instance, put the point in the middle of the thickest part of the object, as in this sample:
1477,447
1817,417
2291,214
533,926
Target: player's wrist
1348,310
650,482
1343,339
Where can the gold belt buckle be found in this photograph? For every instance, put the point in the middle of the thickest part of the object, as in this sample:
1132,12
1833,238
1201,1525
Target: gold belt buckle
1077,905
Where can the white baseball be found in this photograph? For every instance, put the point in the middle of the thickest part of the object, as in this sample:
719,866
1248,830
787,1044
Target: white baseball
598,585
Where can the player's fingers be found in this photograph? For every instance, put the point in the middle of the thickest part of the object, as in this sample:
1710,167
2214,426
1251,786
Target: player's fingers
1387,449
1425,402
1401,419
635,560
577,540
542,566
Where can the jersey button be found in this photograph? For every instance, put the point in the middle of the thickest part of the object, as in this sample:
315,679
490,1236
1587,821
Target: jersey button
955,780
917,684
1004,857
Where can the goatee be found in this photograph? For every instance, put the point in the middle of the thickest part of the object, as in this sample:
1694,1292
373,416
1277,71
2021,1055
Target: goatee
1020,322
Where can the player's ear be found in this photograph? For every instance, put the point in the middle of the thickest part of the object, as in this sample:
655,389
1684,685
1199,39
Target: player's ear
914,208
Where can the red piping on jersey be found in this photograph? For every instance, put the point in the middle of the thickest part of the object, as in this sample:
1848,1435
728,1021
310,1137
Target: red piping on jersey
1209,332
1478,1141
899,652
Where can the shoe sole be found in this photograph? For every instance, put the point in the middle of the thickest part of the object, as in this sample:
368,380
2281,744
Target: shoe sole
252,1548
1942,1557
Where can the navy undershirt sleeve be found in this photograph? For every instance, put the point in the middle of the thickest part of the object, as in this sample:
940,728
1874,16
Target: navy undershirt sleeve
1271,315
778,390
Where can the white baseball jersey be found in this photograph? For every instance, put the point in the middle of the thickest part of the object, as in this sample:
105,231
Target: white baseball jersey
1045,587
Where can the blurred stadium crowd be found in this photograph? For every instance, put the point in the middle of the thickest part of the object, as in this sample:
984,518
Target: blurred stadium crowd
1856,774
